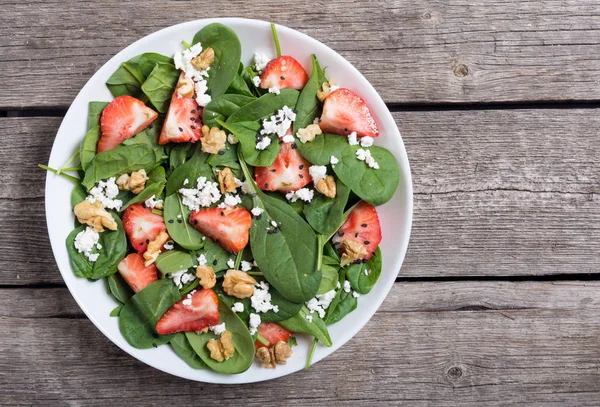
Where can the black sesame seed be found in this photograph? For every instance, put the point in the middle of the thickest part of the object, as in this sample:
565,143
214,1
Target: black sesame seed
215,262
301,166
222,213
221,152
147,241
346,129
340,233
190,140
356,235
193,111
179,221
170,221
273,170
294,146
367,242
154,345
193,119
195,221
154,335
193,127
180,129
364,225
301,176
282,78
131,208
266,185
141,243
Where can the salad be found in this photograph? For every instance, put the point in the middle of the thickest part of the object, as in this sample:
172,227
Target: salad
228,207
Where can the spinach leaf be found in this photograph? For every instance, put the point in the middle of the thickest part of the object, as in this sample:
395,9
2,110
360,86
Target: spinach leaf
176,216
326,215
179,155
330,254
116,311
160,84
287,308
343,304
329,280
246,133
239,87
138,318
181,346
191,170
81,266
247,74
374,186
363,276
222,107
242,340
129,77
118,288
216,256
229,301
265,106
154,186
117,161
307,107
172,261
228,52
229,158
316,327
87,150
150,137
94,113
77,195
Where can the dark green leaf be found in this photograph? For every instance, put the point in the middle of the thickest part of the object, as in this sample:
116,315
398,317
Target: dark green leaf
191,170
316,327
246,132
222,107
116,311
129,77
216,256
154,186
94,113
287,308
78,195
329,280
176,216
172,261
343,304
228,159
160,84
363,276
181,346
307,107
118,288
265,106
87,151
239,86
326,215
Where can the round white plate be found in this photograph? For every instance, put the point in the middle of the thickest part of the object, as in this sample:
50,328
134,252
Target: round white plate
395,216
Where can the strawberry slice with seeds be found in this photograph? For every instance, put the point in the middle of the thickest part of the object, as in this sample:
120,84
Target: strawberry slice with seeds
184,120
135,273
123,118
361,226
283,72
344,112
289,171
194,312
272,333
141,226
227,227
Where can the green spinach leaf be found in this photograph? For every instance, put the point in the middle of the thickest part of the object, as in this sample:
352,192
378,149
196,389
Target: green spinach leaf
307,107
87,151
316,327
118,288
330,278
176,216
216,256
287,308
246,133
343,304
363,276
181,346
326,215
172,261
94,113
160,84
154,186
77,195
129,77
222,107
191,170
265,106
239,87
228,159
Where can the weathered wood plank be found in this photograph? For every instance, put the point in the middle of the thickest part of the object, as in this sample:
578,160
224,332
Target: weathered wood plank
431,52
534,343
501,192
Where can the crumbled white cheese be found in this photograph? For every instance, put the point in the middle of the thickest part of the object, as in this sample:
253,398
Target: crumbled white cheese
169,245
256,81
85,242
246,265
218,329
201,87
183,61
260,61
367,272
247,188
352,140
231,139
320,303
365,155
230,263
304,194
355,294
347,286
205,194
288,138
333,160
230,201
279,123
152,202
181,277
188,299
317,172
179,216
186,181
254,323
333,88
202,260
256,211
309,317
338,285
366,141
238,307
317,120
98,246
261,299
105,192
263,143
274,90
274,224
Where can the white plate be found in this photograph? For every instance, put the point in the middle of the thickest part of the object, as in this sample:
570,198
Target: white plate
395,216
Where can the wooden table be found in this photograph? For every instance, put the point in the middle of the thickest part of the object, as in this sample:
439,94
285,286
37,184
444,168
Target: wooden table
498,301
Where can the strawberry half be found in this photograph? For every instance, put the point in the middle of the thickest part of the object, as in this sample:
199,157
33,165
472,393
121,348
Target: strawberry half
227,227
142,226
124,117
201,313
283,72
362,226
137,275
289,171
183,122
273,333
344,112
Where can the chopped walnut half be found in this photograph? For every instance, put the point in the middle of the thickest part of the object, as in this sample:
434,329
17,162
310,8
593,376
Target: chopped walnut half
238,284
227,181
154,247
204,60
277,354
221,349
352,251
94,215
136,182
207,276
213,140
326,186
309,133
326,89
185,87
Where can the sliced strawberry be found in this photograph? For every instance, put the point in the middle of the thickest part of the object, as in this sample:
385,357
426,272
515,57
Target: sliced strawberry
283,72
124,117
141,226
201,313
183,122
137,275
362,226
344,112
289,171
227,227
273,333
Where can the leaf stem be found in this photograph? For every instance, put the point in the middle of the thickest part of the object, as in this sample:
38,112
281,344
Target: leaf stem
76,168
238,260
67,176
186,44
157,212
320,244
262,339
69,161
255,273
276,39
311,354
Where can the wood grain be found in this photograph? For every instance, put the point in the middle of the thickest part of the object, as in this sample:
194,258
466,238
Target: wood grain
499,192
431,344
428,52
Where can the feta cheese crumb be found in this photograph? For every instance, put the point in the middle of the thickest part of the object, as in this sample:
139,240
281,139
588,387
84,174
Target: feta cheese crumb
309,317
338,285
247,188
347,286
355,294
254,323
152,202
183,61
105,192
230,263
304,194
205,194
256,81
361,154
261,299
274,90
366,141
201,87
186,181
352,140
274,224
260,61
98,246
365,155
320,303
246,265
230,201
333,160
238,307
288,138
188,299
181,277
85,242
231,139
256,211
367,272
218,329
279,123
317,172
263,143
169,245
202,260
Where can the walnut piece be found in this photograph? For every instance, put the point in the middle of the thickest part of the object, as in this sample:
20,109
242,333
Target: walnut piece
185,87
277,354
207,276
154,248
204,60
213,140
94,215
238,284
352,251
227,181
326,89
309,133
221,349
136,182
326,186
